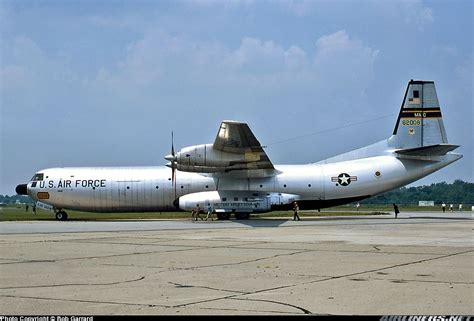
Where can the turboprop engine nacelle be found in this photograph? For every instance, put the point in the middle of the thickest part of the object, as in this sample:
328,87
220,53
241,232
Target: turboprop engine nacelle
204,158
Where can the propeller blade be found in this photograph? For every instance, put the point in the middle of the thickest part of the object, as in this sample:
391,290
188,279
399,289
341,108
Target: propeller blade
172,144
173,164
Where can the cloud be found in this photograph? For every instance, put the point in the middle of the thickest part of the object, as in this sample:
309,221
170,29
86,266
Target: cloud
300,8
344,58
34,81
412,12
417,14
264,57
160,59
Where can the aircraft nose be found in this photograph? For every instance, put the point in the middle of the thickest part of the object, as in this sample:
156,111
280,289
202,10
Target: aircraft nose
21,189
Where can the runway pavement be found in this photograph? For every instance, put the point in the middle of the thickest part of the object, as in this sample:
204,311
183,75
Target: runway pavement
420,263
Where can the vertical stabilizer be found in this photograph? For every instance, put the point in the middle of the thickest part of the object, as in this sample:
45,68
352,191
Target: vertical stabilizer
419,122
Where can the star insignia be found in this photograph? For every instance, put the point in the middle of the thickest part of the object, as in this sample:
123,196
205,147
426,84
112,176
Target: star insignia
344,179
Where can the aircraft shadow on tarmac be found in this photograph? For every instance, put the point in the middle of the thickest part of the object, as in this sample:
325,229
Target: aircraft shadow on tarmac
272,222
440,218
262,222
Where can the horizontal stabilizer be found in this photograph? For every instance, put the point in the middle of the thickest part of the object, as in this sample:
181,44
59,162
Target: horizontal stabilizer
432,150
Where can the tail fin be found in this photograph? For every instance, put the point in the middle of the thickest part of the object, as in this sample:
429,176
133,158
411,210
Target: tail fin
419,122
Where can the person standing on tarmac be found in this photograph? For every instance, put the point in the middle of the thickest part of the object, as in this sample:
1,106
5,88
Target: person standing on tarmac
197,212
296,208
395,208
209,212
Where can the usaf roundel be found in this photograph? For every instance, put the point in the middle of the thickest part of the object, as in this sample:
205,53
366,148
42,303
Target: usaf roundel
344,179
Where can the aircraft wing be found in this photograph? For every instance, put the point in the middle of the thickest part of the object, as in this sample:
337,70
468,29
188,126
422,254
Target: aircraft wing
237,138
235,153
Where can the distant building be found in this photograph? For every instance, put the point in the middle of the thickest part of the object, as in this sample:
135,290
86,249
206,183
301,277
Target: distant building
426,203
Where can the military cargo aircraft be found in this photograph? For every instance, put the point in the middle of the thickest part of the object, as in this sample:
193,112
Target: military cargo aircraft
234,175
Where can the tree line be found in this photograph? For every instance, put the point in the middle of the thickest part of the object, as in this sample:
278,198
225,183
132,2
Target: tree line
459,192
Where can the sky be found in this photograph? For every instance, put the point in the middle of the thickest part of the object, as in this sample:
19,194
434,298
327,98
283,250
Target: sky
104,83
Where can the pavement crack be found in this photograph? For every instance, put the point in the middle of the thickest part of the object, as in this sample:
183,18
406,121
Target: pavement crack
234,296
276,302
422,281
29,261
70,284
178,285
242,262
83,301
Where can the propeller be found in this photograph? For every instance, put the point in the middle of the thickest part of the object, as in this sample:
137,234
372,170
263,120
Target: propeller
173,164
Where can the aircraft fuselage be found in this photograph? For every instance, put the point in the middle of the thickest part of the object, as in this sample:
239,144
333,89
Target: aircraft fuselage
142,189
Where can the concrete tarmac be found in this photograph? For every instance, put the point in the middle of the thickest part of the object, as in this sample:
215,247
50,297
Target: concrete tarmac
420,263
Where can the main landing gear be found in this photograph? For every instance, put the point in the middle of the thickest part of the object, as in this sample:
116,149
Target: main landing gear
241,216
61,215
223,216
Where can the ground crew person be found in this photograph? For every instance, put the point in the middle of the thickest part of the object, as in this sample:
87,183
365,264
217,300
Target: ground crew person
209,212
395,208
296,208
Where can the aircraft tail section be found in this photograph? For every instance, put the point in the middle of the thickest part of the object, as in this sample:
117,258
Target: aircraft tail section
419,122
419,131
431,150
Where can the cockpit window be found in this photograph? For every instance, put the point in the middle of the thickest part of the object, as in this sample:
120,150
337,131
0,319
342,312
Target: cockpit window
38,177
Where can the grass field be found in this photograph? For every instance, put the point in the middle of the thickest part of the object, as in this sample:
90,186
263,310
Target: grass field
18,213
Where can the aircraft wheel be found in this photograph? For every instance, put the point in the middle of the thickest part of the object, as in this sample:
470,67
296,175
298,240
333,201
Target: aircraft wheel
242,216
61,216
223,216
